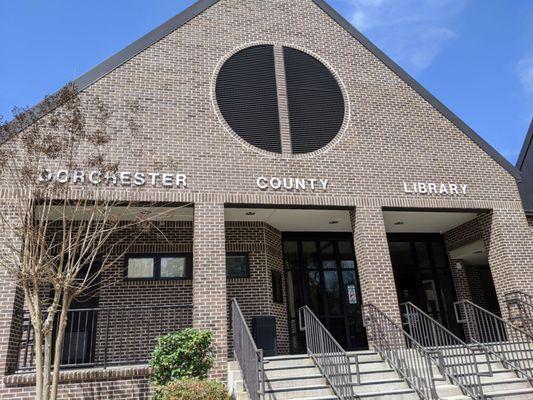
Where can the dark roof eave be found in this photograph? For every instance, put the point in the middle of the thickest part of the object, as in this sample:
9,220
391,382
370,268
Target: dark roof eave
525,147
197,8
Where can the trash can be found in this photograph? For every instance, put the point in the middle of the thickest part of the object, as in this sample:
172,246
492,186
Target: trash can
264,332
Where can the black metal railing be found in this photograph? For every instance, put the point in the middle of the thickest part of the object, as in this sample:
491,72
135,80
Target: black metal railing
520,310
249,357
459,359
507,343
408,358
329,356
102,337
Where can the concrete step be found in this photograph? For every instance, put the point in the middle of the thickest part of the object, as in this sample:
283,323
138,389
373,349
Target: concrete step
364,357
293,382
397,394
301,392
370,367
288,364
498,374
384,385
482,366
505,384
446,390
372,376
518,394
289,372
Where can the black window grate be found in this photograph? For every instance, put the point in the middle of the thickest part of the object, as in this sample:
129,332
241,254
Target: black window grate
316,104
247,97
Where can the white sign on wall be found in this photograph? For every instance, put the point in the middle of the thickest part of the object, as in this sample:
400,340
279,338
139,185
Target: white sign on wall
292,184
122,178
443,189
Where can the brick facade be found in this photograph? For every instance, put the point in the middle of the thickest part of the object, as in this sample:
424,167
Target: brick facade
390,135
123,383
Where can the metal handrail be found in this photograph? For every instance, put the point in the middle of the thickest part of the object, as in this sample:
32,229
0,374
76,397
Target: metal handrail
522,312
329,356
406,356
509,344
461,365
249,357
106,336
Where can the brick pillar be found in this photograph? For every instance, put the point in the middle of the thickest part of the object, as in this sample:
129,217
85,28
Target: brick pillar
373,261
210,307
11,299
509,245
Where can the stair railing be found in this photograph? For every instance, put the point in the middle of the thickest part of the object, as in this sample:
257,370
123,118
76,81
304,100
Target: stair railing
507,343
405,355
249,357
329,356
520,310
461,365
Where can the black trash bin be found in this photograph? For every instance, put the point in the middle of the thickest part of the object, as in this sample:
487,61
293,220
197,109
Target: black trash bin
264,332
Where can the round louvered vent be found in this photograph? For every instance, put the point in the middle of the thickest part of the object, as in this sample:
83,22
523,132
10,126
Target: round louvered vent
248,97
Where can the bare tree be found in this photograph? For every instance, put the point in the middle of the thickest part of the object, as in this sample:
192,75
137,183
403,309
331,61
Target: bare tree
59,233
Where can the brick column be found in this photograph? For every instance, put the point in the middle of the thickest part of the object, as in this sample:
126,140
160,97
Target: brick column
373,261
209,280
509,245
11,299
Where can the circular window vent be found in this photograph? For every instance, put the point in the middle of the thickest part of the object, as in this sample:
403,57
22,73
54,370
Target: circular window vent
248,96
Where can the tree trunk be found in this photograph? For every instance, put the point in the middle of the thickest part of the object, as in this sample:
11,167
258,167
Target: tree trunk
47,363
38,363
63,318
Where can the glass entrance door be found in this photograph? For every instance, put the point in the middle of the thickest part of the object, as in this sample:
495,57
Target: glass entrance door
423,275
321,273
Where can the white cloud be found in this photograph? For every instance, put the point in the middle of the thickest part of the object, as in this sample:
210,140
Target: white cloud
525,72
413,32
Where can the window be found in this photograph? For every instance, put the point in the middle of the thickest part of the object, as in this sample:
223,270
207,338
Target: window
237,265
158,266
141,268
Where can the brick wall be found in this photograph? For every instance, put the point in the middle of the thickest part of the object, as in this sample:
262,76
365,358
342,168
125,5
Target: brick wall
129,332
275,262
119,383
459,236
254,294
509,243
476,290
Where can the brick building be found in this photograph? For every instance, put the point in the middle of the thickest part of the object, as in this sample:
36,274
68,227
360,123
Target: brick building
306,168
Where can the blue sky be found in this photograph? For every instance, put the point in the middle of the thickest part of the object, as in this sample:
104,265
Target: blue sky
476,56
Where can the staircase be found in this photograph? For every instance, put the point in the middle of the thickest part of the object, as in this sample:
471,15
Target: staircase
296,377
431,366
502,384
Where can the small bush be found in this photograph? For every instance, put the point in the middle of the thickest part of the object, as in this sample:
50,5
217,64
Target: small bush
194,389
184,354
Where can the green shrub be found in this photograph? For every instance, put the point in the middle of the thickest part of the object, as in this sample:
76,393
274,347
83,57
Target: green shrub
184,354
194,389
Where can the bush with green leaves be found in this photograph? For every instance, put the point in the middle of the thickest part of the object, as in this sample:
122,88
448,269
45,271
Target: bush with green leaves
194,389
184,354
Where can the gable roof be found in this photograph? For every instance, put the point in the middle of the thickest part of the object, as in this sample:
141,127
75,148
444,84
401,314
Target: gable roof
200,6
525,165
